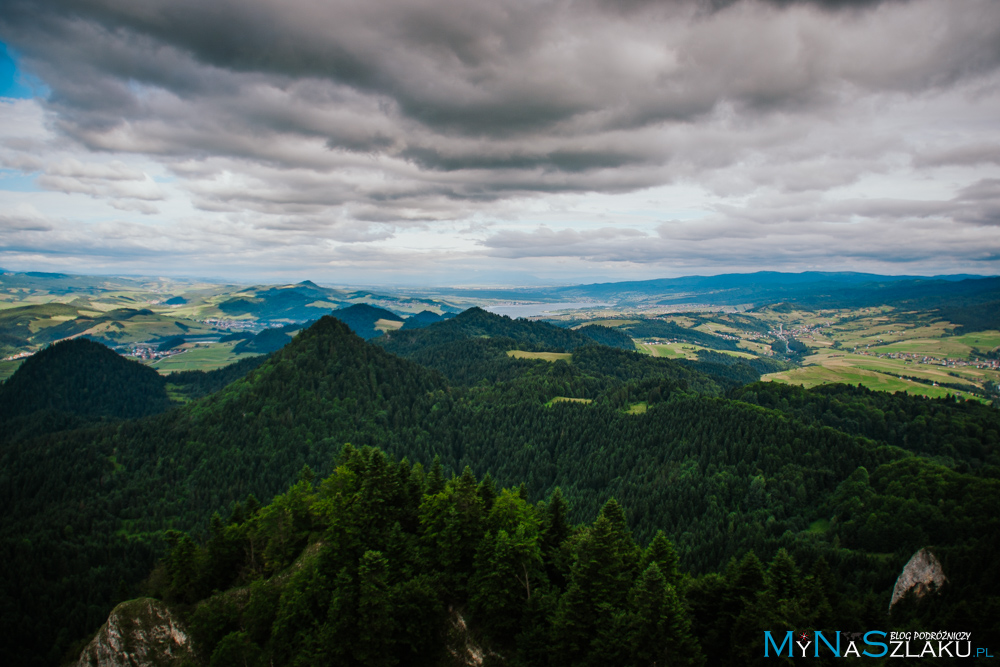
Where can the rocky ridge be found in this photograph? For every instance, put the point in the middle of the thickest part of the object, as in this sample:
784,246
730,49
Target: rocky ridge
139,633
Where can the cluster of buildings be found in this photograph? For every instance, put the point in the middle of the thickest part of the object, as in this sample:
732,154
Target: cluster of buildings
147,352
232,325
986,364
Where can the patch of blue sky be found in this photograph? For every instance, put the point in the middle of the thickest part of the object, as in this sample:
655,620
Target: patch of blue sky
14,82
13,180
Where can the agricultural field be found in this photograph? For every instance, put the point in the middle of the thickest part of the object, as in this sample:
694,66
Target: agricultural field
682,350
889,350
387,325
881,348
199,357
877,374
668,350
7,368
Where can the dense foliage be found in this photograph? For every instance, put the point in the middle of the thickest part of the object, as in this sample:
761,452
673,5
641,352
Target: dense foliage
973,318
83,378
834,487
675,332
384,564
198,384
608,336
265,342
477,323
361,318
421,319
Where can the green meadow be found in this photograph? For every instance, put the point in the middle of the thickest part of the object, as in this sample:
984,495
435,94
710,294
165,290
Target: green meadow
567,399
683,350
545,356
872,372
200,358
7,368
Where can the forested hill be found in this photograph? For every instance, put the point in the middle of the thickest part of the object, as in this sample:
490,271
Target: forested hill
82,378
85,509
362,318
472,347
79,381
87,512
478,323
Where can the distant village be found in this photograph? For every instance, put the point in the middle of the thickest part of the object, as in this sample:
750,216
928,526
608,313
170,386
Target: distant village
987,364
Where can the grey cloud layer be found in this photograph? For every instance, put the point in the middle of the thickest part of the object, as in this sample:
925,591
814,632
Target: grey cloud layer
357,117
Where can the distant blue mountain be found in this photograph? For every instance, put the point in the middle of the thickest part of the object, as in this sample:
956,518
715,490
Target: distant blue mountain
810,288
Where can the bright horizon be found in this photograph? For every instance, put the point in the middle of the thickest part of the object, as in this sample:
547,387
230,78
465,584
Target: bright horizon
499,143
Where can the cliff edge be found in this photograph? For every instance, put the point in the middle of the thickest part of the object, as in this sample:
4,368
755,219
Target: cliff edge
139,633
923,573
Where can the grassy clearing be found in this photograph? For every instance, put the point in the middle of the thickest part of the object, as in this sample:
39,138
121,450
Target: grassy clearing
683,350
545,356
567,399
984,340
387,325
637,408
682,320
203,358
819,526
7,368
759,349
712,327
666,350
176,395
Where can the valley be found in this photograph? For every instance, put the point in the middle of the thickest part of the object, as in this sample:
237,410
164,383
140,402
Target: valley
433,450
886,347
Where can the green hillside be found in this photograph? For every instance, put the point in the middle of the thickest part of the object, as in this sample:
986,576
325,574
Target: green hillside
363,318
82,378
722,467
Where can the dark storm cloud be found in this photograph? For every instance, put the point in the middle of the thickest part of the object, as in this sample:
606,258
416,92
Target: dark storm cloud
496,68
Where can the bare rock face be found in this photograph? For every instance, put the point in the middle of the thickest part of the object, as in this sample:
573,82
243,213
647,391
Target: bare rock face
923,573
139,633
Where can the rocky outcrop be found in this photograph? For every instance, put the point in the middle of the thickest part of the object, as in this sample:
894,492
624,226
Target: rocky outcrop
922,574
139,633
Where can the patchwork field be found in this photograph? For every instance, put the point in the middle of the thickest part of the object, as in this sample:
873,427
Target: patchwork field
668,350
880,348
876,373
683,350
199,358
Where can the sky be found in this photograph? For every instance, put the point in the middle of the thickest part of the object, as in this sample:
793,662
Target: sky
477,142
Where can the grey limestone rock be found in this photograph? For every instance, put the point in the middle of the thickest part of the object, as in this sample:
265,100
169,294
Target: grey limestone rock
923,573
139,633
